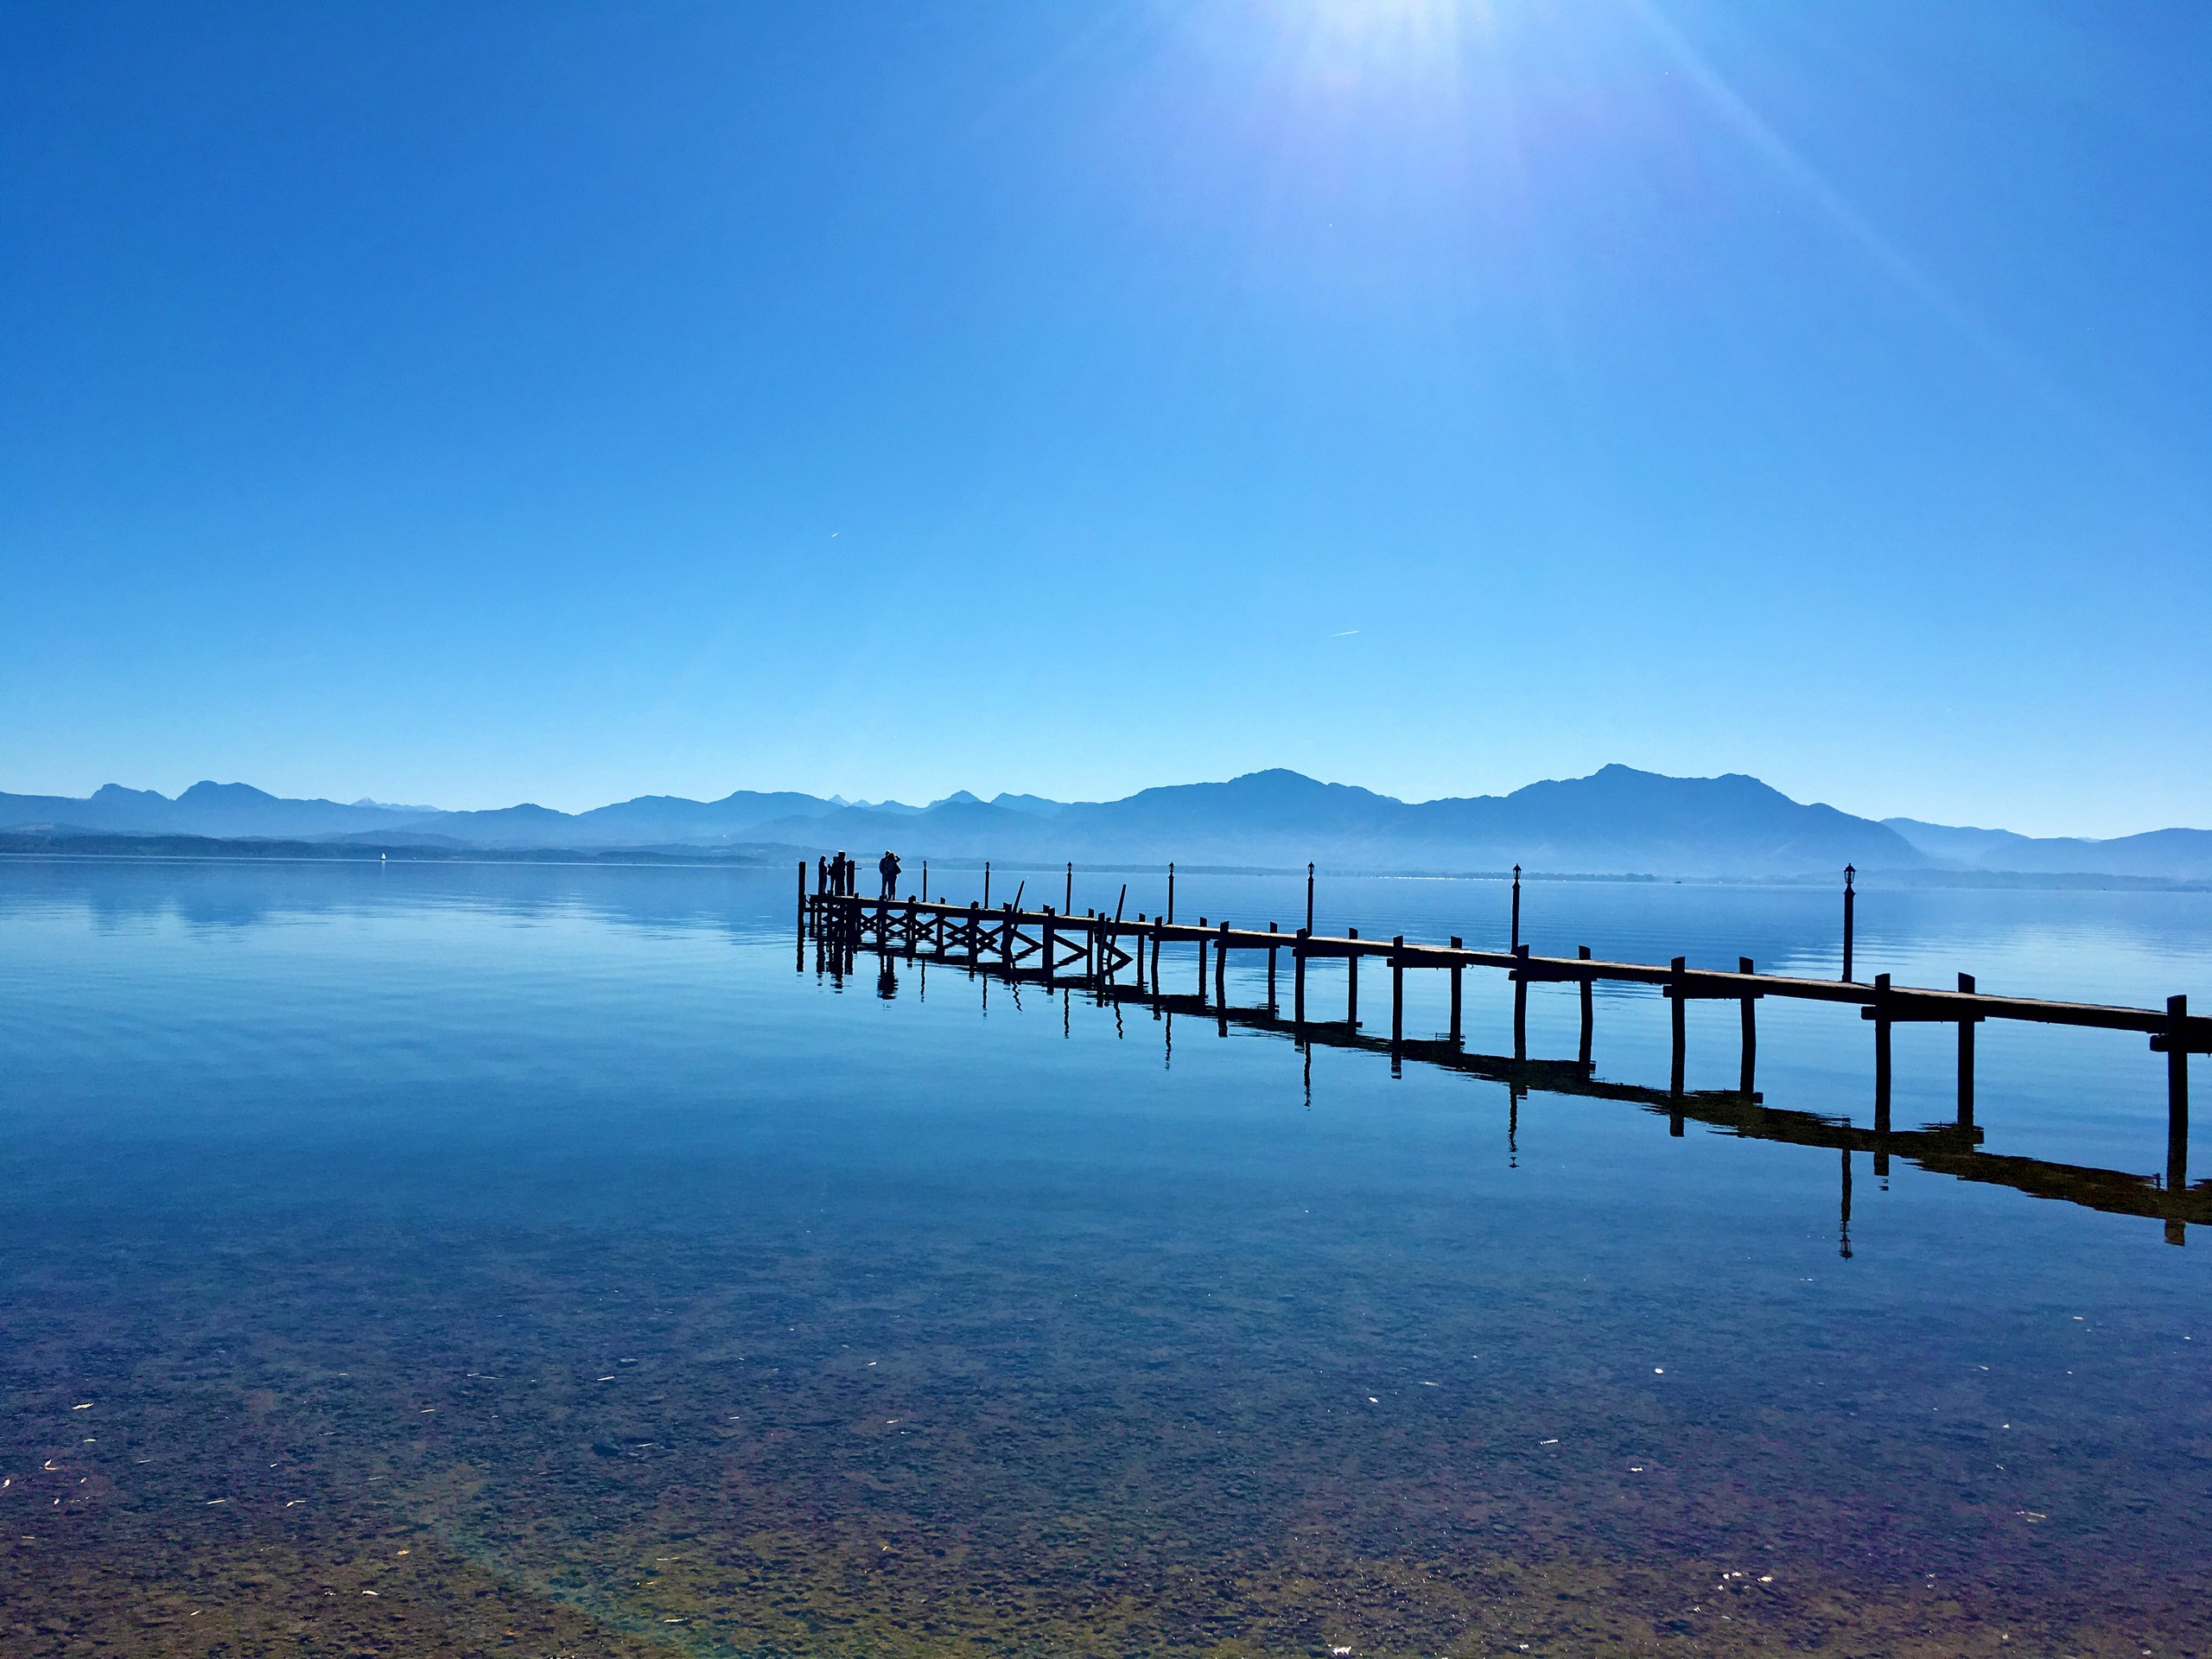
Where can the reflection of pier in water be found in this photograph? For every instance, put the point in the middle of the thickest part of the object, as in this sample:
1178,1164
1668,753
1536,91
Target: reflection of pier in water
990,946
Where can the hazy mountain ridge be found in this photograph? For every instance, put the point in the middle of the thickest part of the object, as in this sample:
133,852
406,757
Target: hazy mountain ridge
1617,821
2177,855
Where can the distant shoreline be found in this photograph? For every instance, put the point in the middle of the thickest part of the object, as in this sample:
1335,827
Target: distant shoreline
207,850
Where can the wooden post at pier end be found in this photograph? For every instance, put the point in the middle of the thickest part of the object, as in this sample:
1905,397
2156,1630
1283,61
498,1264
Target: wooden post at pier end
986,884
1516,907
1271,971
2177,1094
1220,968
1747,1070
1520,1003
1456,973
802,895
1047,939
1582,1053
1850,903
1202,965
1351,983
1171,890
1309,900
1677,993
1397,990
925,880
1067,905
1881,1054
1966,1060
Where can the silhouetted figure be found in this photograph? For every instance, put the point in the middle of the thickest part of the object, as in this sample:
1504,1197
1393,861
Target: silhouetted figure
821,874
889,865
841,870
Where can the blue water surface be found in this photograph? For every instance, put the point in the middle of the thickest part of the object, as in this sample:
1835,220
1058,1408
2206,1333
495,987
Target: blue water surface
577,1231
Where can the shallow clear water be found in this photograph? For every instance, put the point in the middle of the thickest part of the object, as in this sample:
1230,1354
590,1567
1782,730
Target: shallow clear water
567,1230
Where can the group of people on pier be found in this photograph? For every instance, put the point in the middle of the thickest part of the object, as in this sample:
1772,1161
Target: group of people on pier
839,875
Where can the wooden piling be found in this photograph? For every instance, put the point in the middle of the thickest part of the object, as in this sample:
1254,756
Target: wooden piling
2177,1094
1678,993
1220,968
1309,900
1202,965
1298,978
1271,972
986,884
1171,890
1589,1012
1516,907
1850,901
1966,1058
1048,942
1881,1054
1457,970
1521,1001
1398,989
1747,1068
1067,905
1351,983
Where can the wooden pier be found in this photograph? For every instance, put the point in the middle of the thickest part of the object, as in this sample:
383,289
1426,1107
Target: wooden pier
1120,959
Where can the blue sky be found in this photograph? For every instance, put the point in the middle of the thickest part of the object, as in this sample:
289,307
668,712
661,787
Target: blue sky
473,404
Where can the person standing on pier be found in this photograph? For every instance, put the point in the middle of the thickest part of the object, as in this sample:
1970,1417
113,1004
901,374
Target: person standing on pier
888,865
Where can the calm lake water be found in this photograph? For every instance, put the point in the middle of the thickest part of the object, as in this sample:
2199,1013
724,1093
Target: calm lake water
552,1261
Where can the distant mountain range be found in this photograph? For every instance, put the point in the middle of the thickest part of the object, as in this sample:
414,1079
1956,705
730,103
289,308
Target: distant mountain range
1618,820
